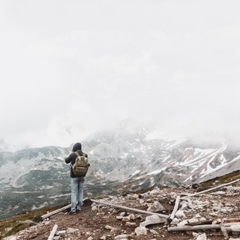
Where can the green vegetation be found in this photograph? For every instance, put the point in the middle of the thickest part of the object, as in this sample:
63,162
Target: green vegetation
219,180
21,221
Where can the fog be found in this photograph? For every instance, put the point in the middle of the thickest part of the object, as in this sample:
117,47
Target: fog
69,68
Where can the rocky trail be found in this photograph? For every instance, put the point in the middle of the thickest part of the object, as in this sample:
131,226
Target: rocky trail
219,208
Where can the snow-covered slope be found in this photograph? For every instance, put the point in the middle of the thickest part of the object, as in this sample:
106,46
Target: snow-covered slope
122,160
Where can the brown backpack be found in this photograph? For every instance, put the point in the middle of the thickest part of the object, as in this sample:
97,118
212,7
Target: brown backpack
81,165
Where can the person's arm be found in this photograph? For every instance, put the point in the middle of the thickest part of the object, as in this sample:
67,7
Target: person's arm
69,158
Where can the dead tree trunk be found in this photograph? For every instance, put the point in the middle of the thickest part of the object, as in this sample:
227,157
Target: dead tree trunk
51,236
210,189
175,208
131,209
56,211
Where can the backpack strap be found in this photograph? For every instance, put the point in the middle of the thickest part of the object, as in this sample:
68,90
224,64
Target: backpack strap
84,155
77,154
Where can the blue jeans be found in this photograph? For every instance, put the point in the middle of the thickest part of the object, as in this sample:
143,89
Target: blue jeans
77,193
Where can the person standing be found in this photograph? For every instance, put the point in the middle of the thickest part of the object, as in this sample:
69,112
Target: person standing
77,180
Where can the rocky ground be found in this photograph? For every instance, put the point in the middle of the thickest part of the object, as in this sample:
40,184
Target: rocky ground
103,222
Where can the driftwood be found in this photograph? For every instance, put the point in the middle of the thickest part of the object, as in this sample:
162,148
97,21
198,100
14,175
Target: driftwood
227,227
56,211
224,231
51,236
211,189
175,208
131,209
200,222
194,228
230,220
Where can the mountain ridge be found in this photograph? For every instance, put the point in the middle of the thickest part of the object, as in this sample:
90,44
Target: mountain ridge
121,161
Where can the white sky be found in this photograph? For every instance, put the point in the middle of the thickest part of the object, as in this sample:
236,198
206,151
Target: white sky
69,67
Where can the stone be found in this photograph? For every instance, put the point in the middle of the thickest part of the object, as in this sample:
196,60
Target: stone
156,207
131,224
71,230
108,227
202,237
122,237
94,208
155,191
141,231
154,232
61,232
153,219
180,214
183,223
175,221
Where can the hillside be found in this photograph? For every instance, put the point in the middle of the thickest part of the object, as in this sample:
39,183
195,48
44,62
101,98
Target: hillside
122,161
100,221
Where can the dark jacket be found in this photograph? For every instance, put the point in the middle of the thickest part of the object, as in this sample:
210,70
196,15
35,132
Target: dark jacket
72,157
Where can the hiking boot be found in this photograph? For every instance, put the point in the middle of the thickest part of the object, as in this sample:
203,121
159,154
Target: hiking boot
78,210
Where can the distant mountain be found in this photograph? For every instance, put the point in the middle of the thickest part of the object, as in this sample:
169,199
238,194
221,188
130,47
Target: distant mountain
122,160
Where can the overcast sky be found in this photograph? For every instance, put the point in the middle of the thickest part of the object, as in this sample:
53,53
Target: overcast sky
70,67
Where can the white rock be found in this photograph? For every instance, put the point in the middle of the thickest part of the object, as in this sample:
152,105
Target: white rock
132,217
184,206
71,230
156,207
126,219
202,237
183,223
155,191
122,237
61,232
94,208
175,221
141,231
108,227
173,195
180,214
131,224
153,219
154,232
11,238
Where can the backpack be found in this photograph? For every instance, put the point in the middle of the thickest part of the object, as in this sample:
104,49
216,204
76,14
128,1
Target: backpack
81,165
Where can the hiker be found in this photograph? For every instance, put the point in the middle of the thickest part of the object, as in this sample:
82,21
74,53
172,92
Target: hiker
77,174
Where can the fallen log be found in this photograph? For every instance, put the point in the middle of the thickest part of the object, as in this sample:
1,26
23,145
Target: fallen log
228,227
224,231
210,189
56,211
230,220
131,209
194,228
175,208
51,236
199,222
